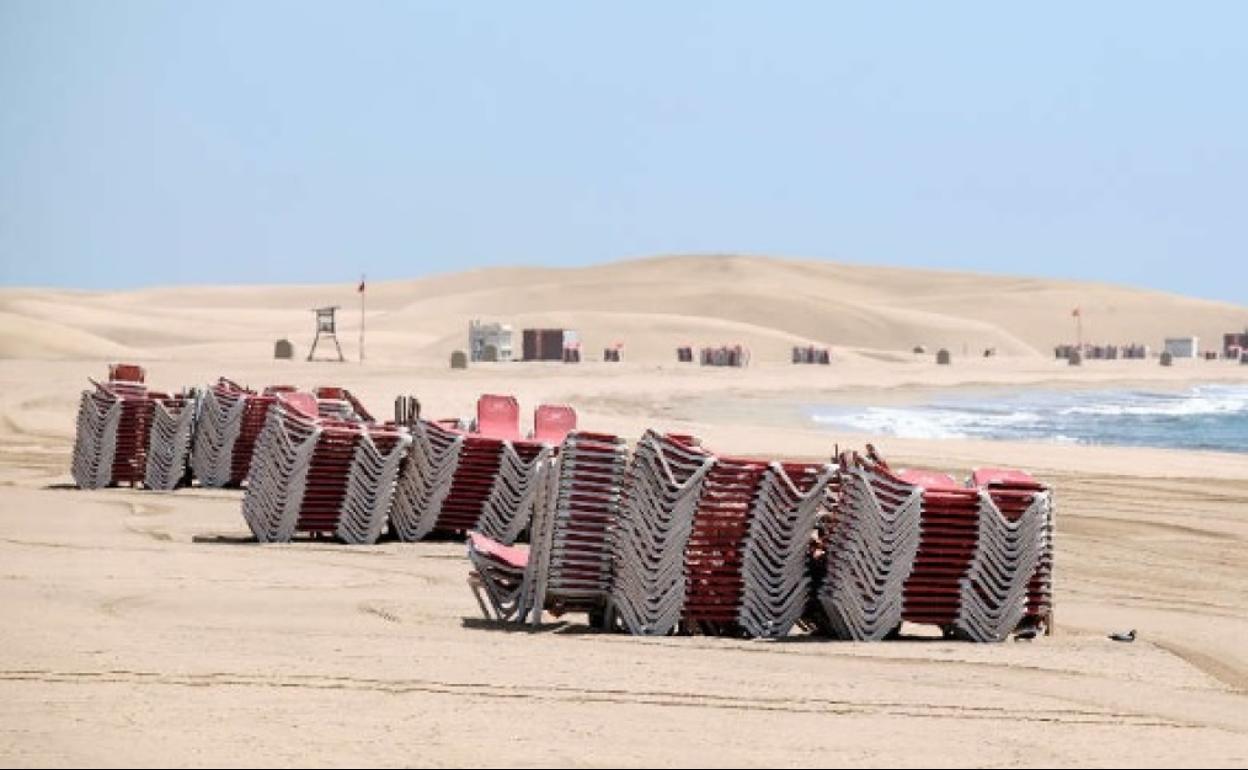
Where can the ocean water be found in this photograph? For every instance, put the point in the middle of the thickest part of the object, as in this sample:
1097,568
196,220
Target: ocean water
1203,417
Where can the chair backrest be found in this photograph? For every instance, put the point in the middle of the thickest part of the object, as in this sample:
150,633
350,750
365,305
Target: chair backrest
304,403
553,422
930,480
126,373
512,556
498,417
986,477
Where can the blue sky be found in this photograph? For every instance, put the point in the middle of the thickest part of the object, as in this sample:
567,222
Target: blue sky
188,142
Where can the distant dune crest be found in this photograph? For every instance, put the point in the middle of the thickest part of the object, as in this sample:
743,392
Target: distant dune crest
651,305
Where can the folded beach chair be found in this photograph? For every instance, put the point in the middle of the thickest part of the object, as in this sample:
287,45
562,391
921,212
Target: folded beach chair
498,575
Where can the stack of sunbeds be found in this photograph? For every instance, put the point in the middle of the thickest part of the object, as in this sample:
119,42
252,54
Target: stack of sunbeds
917,546
230,420
664,485
485,479
745,563
870,545
810,354
568,567
714,554
668,538
574,529
573,534
726,355
674,539
169,442
1014,492
321,475
111,440
95,440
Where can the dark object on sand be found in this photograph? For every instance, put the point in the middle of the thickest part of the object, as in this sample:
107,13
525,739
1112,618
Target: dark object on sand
943,358
1074,358
811,355
543,344
406,410
283,349
1119,636
726,355
1167,359
459,360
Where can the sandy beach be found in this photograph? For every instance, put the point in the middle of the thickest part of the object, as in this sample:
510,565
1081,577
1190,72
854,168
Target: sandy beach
442,384
145,628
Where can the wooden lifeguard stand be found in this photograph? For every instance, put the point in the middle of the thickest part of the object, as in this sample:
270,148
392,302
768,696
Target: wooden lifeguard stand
325,324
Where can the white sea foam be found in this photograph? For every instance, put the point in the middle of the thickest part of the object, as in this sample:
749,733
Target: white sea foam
1208,416
1205,400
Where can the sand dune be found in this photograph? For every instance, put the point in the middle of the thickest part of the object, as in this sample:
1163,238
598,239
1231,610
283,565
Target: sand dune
650,305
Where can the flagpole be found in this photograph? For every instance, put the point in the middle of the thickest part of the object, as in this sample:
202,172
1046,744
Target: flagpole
363,286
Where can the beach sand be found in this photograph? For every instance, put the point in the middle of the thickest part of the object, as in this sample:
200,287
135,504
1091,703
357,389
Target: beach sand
144,628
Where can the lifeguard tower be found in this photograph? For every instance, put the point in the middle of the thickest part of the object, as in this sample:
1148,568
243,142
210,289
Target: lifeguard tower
325,324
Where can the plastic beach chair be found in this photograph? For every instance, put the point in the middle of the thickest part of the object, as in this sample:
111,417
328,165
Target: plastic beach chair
553,422
498,417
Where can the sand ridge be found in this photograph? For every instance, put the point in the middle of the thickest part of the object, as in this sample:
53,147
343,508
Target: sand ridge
650,305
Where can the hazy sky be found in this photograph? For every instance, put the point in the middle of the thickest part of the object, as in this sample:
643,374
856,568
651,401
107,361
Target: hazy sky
183,142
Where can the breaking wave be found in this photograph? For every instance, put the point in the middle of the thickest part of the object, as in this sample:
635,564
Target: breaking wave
1203,417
